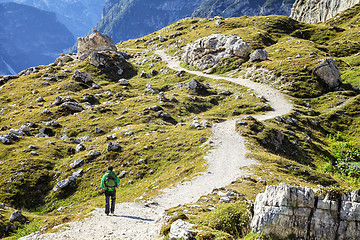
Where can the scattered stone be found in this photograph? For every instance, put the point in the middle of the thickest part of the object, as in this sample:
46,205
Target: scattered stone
53,124
195,86
181,230
145,75
40,99
205,124
82,77
46,112
202,139
32,147
142,161
329,72
60,61
47,131
93,155
34,153
124,82
18,217
258,55
72,106
80,148
111,137
148,147
83,139
98,130
77,163
122,174
113,147
95,86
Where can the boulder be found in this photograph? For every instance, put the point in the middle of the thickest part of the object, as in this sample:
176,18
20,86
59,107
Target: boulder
113,147
197,87
72,106
96,42
77,163
82,77
328,71
60,61
208,51
258,55
112,64
18,217
80,148
181,230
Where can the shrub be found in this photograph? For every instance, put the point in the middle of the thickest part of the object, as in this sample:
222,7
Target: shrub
233,218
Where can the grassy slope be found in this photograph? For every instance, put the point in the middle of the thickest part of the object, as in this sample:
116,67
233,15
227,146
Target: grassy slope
324,125
306,156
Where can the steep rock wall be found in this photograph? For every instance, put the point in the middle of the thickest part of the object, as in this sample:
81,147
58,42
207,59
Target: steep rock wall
315,11
297,213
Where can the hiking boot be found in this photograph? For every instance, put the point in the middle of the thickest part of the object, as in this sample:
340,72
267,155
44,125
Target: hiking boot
112,213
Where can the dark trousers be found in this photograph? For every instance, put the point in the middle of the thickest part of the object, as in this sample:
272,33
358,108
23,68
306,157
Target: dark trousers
108,195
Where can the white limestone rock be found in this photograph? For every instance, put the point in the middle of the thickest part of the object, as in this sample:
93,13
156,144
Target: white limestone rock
208,51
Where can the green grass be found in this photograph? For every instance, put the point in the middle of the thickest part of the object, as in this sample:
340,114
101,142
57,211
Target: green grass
305,156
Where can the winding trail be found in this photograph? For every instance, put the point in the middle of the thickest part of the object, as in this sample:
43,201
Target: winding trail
137,221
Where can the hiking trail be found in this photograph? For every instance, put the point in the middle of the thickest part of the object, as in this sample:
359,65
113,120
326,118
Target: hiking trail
138,221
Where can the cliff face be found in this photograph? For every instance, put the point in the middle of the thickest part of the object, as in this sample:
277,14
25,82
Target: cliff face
236,8
314,11
296,213
126,19
30,37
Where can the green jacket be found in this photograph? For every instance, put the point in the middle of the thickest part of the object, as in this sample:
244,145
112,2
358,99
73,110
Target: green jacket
102,186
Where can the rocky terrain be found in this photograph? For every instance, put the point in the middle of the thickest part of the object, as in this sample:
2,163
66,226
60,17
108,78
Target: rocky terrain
30,37
154,118
316,11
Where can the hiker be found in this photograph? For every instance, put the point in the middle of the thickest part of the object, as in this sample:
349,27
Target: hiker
109,182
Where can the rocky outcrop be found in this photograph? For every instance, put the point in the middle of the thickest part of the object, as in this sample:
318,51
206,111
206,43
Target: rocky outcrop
315,11
181,230
328,71
94,43
297,213
208,51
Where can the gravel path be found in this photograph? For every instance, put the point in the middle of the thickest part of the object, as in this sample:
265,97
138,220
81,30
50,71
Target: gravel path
142,221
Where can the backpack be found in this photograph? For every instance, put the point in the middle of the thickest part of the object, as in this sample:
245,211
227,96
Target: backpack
110,180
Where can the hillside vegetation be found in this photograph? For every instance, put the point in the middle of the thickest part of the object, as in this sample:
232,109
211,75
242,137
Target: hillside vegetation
316,144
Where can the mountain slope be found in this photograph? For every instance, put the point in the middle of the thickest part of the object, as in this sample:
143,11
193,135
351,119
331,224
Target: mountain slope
231,8
162,127
79,16
30,37
127,19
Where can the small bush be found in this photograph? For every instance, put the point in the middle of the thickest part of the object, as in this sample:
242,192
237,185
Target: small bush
233,218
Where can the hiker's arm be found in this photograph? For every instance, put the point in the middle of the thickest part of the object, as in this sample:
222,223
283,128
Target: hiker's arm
102,185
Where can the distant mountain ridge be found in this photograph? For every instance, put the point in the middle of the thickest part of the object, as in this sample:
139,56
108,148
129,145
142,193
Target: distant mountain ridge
236,8
30,37
79,16
126,19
